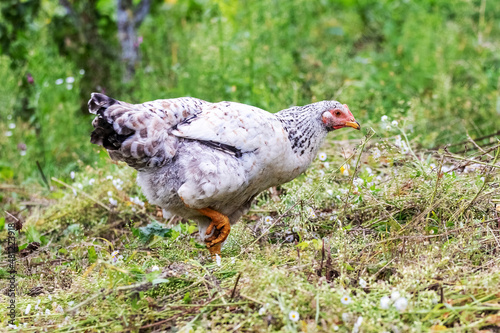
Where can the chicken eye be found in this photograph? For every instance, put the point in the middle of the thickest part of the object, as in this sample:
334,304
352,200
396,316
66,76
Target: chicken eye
337,113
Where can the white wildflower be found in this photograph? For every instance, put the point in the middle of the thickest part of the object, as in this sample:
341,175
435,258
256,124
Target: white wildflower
50,297
326,165
59,81
14,327
343,190
388,127
369,170
395,295
91,181
482,179
329,192
394,123
357,324
72,175
218,259
376,152
81,71
362,283
70,79
268,219
345,299
12,125
69,86
59,309
321,173
262,310
113,202
115,253
118,183
401,304
47,312
28,308
22,152
322,156
358,182
346,317
110,193
70,303
109,177
385,302
398,141
155,268
335,327
384,118
8,133
294,316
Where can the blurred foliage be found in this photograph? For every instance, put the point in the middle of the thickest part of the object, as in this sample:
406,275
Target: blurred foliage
432,64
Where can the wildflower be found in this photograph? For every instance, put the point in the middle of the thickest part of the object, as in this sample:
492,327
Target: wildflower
50,297
218,260
357,324
322,157
262,310
482,179
326,165
362,283
81,71
14,327
401,304
268,219
395,295
376,152
78,185
110,193
72,175
346,317
70,303
91,181
345,169
233,260
343,190
388,127
294,316
385,302
358,181
369,170
47,312
28,308
118,183
70,79
329,192
384,118
113,202
155,268
321,173
120,257
137,201
38,303
8,133
59,309
59,81
29,78
22,152
345,299
335,327
394,123
289,239
109,177
12,125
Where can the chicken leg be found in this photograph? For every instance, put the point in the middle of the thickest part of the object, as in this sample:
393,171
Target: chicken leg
222,228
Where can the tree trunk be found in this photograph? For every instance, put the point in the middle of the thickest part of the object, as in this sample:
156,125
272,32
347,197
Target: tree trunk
129,19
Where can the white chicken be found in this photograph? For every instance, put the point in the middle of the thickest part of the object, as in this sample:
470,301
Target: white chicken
207,161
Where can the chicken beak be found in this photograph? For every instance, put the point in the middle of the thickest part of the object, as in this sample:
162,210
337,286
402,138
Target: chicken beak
353,124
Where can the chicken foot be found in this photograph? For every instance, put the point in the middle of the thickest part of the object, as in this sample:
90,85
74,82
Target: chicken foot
222,228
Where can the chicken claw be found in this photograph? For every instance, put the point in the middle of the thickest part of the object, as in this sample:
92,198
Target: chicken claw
222,228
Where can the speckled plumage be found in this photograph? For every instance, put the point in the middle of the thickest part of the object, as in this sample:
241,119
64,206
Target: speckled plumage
217,155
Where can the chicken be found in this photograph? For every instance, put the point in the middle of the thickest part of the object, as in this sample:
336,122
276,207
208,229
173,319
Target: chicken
207,161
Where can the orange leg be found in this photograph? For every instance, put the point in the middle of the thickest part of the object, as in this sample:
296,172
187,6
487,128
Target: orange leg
222,228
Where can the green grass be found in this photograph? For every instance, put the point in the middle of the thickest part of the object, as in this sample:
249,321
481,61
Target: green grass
435,240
